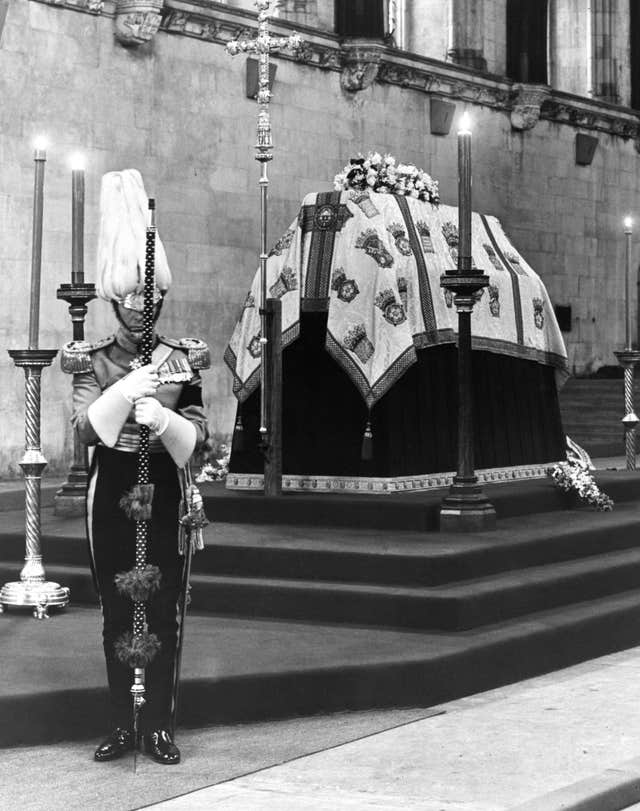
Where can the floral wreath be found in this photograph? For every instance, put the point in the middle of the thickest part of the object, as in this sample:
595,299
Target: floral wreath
576,474
384,175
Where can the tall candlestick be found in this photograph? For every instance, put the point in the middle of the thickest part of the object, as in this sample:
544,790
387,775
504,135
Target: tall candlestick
465,508
71,498
628,223
77,220
40,157
464,195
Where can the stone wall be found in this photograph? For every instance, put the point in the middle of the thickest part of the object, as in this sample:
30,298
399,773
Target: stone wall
176,109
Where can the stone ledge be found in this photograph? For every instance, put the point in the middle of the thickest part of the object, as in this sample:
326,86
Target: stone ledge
217,23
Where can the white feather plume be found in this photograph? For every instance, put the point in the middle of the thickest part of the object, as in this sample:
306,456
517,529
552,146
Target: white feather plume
124,216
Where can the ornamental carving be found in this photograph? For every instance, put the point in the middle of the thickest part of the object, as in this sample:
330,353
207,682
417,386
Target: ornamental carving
527,103
137,21
360,65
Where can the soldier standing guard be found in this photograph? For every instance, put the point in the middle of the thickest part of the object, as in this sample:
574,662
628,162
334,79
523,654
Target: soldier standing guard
112,397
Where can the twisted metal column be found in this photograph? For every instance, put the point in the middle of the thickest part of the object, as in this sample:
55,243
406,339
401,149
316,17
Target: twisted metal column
628,358
33,589
630,430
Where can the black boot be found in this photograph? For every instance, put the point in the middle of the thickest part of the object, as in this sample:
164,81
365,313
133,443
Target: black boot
159,744
118,742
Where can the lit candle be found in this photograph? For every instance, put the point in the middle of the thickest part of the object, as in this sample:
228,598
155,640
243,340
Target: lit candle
628,223
40,157
77,219
464,194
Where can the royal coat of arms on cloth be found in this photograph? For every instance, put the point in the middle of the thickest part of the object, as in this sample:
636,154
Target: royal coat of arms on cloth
400,237
254,346
356,341
450,233
372,245
425,236
514,261
285,282
364,202
494,300
493,257
538,312
403,290
346,289
283,243
392,309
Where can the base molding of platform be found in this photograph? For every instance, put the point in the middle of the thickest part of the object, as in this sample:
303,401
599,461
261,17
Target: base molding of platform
377,485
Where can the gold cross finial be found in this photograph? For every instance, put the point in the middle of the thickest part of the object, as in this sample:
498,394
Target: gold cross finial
263,45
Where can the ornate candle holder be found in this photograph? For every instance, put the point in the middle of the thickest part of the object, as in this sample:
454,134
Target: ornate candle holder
465,508
627,358
70,499
33,589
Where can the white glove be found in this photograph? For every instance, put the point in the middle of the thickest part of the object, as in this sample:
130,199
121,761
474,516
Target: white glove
148,411
140,382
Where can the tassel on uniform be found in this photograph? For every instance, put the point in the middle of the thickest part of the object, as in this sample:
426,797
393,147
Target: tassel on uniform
139,584
238,434
192,521
367,443
136,650
137,502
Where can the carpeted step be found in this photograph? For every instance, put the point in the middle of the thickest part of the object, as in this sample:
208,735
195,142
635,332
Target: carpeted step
454,607
469,604
367,555
53,685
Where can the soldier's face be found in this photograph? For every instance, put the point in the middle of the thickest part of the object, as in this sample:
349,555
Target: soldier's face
131,319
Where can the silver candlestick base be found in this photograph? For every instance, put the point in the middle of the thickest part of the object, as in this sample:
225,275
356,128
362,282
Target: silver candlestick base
39,595
33,589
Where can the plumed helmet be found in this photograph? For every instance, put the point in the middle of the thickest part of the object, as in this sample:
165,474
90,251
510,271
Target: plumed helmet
124,216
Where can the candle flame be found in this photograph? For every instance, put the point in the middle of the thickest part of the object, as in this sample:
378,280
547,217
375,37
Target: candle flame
628,223
40,142
78,162
465,122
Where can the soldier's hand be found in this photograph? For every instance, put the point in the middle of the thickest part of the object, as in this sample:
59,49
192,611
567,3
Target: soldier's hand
140,382
148,411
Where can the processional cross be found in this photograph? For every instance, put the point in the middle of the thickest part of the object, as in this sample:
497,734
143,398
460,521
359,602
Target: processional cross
263,45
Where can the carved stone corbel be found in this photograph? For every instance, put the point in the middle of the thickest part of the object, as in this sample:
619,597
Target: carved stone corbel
360,64
137,21
526,103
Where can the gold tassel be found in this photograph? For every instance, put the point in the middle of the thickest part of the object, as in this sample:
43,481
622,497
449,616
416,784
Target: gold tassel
137,503
238,435
367,443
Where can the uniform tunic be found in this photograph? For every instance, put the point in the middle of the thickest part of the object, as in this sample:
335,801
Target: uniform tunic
112,535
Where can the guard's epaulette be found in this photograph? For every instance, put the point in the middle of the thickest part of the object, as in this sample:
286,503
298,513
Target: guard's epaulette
197,351
75,358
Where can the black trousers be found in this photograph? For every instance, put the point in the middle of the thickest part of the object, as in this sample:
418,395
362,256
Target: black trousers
112,545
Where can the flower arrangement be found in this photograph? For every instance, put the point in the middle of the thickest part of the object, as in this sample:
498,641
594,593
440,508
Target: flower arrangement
575,474
216,468
382,174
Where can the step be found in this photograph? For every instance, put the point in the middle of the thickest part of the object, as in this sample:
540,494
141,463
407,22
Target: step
417,511
453,607
367,555
237,670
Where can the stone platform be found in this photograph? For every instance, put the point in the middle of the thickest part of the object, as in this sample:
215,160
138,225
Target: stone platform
322,603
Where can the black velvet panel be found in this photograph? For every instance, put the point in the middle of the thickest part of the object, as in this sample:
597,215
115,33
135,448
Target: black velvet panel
517,416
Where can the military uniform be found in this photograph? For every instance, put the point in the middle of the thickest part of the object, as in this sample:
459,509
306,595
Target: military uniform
113,472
